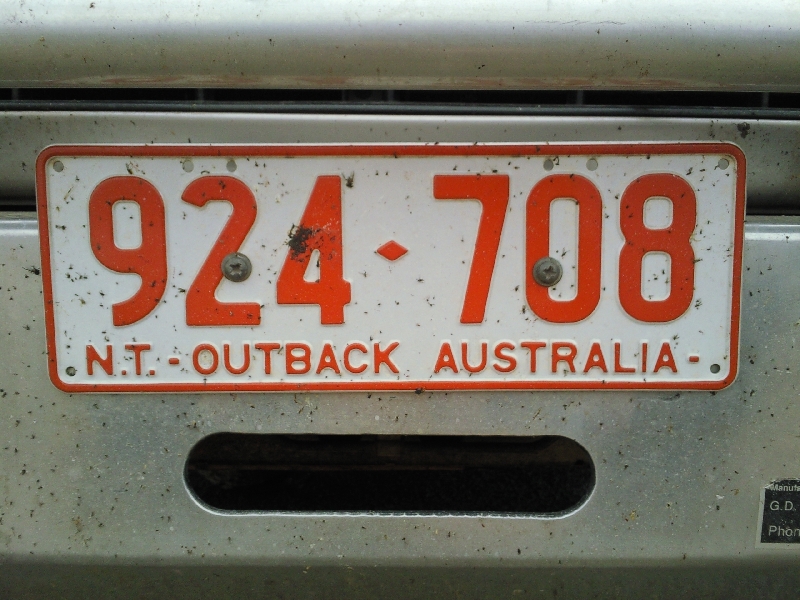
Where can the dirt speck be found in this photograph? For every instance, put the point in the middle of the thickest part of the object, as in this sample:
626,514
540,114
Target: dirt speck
744,129
298,239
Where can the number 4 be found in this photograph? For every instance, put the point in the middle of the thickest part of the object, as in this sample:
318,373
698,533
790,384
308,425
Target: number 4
320,229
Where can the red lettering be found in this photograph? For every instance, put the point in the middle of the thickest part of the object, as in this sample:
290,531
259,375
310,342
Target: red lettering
465,357
492,192
202,306
148,261
568,358
446,359
346,357
226,357
532,347
210,349
509,358
137,350
267,348
292,358
381,357
537,240
644,357
675,240
320,228
327,360
665,359
618,368
596,359
93,356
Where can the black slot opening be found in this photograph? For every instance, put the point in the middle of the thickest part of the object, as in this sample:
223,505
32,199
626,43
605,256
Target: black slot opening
417,474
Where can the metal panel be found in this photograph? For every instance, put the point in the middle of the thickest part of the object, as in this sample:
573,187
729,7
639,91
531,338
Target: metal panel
679,44
770,145
97,480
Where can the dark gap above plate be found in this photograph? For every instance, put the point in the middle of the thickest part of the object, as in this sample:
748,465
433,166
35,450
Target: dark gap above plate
544,475
498,102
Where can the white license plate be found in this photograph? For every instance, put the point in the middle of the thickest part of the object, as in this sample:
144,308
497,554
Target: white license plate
392,267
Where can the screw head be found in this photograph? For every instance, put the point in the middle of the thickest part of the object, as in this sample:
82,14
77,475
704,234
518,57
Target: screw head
547,271
236,267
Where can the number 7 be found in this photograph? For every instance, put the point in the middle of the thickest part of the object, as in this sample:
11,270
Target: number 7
492,192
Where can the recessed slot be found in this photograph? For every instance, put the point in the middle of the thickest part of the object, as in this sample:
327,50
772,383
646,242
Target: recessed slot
544,475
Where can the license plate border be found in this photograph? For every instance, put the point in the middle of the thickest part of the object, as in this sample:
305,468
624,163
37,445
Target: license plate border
404,149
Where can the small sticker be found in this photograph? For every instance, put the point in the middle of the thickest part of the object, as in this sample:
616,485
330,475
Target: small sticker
780,515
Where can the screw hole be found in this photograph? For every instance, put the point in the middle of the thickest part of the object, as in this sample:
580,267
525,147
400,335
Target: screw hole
715,368
58,166
71,371
236,267
591,164
188,166
548,165
547,271
723,163
231,166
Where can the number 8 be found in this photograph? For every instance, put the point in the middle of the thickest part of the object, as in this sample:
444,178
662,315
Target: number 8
674,240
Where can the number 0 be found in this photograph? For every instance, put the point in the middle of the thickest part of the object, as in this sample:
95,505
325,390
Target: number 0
537,242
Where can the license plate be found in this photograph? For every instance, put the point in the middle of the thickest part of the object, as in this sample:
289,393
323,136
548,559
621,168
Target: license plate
391,267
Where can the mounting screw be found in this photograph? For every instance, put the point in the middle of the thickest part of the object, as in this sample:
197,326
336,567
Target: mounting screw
236,266
547,271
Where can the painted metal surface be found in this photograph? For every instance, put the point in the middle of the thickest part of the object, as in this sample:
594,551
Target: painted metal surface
93,499
135,319
96,482
450,44
769,145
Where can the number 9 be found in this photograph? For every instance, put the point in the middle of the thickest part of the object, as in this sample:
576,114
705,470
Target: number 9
148,261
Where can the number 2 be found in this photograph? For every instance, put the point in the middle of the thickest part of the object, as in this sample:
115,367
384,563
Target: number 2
202,306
